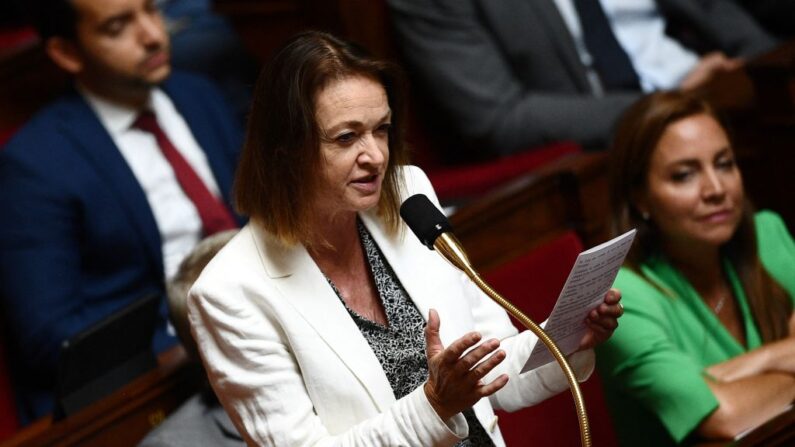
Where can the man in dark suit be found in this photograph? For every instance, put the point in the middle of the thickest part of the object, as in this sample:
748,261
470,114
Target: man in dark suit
510,74
104,191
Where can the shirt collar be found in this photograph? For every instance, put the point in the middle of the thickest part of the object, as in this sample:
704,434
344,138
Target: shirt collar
115,117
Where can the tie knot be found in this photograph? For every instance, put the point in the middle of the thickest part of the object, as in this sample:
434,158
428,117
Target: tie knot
146,121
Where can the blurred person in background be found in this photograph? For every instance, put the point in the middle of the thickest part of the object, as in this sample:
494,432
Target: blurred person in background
706,348
105,190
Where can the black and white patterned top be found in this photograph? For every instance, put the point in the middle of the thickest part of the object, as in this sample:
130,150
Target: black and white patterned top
400,346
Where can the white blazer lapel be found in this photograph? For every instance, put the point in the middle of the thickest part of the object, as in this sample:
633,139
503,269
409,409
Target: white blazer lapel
304,286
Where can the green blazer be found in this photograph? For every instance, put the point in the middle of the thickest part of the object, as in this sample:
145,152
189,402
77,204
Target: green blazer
653,366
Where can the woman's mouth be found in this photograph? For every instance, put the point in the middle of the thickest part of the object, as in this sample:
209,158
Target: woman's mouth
367,184
718,216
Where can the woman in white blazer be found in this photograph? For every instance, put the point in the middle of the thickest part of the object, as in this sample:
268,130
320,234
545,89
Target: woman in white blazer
311,322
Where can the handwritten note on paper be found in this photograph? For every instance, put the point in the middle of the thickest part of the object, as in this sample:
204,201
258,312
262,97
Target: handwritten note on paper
590,278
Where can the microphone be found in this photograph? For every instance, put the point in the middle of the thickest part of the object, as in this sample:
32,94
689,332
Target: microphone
435,232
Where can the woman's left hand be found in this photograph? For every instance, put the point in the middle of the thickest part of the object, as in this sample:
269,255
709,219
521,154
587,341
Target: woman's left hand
602,320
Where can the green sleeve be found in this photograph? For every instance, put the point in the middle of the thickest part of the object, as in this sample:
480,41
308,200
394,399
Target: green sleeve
642,361
776,249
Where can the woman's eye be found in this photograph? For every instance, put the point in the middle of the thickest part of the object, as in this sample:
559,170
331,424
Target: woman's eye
726,164
346,138
384,128
681,176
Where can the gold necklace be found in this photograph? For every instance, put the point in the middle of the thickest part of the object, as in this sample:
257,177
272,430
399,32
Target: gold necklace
719,305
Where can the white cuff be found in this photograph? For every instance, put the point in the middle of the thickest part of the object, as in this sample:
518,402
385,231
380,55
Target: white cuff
437,431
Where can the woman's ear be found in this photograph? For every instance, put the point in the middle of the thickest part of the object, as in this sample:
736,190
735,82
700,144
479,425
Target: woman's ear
65,54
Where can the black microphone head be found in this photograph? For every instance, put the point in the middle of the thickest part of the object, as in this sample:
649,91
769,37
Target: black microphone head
424,219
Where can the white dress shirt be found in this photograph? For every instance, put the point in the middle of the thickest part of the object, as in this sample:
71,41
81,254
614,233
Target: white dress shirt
177,219
660,61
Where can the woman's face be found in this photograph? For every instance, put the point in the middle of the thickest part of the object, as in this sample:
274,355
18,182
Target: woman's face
354,118
694,191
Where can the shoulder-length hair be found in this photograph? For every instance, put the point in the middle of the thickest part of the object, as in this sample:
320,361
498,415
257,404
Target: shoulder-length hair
636,137
280,165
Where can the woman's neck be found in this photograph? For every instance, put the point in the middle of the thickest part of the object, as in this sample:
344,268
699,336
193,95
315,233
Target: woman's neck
336,238
700,265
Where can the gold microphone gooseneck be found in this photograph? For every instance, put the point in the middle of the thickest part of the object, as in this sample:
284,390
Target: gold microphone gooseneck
449,247
433,230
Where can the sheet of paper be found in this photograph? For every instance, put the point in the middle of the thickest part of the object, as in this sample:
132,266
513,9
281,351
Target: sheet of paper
590,278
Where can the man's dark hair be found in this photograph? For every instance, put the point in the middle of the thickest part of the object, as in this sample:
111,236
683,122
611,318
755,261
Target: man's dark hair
54,18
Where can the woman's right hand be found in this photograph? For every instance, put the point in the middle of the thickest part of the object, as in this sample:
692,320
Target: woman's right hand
454,381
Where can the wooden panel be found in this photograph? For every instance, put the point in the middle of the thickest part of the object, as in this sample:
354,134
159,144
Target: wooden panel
264,25
123,418
516,218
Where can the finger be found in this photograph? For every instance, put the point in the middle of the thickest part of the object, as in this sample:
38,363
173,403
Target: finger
613,296
458,347
433,344
609,310
474,356
485,367
492,387
605,324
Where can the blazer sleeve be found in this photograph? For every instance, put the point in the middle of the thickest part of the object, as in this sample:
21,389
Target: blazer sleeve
39,261
259,382
461,66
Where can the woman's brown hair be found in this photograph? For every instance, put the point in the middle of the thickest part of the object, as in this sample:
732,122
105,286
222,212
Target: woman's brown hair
635,140
277,178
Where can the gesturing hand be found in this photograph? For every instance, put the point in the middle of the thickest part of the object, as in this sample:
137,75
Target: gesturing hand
603,320
454,381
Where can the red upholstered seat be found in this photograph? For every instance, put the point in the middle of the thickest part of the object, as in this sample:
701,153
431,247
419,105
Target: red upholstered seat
5,134
15,37
455,182
8,412
11,40
533,282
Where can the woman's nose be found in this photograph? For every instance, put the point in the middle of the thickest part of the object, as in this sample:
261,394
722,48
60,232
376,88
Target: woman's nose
713,185
372,151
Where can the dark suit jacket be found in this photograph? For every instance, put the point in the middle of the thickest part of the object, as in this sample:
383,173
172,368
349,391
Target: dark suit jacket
77,237
507,73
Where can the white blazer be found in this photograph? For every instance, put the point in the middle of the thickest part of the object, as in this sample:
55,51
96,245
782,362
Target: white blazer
292,368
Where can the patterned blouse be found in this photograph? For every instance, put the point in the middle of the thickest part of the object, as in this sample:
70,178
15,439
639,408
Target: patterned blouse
400,347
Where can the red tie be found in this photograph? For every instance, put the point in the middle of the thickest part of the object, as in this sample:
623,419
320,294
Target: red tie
214,215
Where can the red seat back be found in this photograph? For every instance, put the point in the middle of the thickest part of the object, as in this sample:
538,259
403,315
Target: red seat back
8,413
460,181
533,282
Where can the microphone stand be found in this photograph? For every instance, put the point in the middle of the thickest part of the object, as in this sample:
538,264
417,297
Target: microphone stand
449,247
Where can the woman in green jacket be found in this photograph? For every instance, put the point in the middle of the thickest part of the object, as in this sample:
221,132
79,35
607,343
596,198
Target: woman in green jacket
706,348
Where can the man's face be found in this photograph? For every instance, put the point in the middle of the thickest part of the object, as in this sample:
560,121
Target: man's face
121,44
